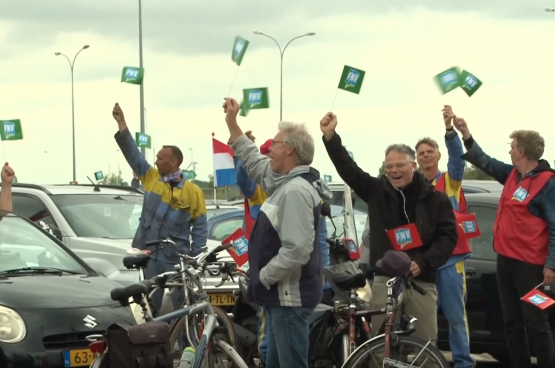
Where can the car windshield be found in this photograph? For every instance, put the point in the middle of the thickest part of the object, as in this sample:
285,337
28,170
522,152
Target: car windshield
23,245
101,215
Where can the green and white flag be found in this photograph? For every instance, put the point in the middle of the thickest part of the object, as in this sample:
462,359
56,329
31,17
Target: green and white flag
469,83
240,46
257,98
327,178
351,79
99,175
351,155
11,130
15,180
143,140
244,109
188,174
132,75
448,80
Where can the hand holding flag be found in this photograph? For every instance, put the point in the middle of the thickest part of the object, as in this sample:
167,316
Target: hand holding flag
8,175
328,125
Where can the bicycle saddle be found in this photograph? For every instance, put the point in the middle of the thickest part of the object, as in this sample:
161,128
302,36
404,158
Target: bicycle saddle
347,282
137,261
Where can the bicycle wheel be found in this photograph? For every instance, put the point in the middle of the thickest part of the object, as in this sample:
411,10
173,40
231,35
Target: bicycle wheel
196,326
405,350
222,355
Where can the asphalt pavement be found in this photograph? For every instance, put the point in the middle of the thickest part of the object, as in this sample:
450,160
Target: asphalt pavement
483,360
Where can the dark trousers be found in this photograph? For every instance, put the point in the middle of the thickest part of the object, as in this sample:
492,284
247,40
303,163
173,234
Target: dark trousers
523,320
288,339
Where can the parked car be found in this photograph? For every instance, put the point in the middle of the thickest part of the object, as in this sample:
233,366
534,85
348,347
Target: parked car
97,222
50,299
483,307
224,224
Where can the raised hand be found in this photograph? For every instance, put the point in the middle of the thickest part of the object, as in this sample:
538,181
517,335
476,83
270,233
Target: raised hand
460,125
448,116
249,135
231,109
328,124
8,175
117,113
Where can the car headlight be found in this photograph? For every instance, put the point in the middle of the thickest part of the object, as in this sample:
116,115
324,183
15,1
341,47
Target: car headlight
12,327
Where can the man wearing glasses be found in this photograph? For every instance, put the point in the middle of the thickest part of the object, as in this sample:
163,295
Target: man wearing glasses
406,214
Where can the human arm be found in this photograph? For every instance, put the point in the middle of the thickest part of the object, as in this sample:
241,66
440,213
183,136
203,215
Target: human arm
498,170
199,221
361,182
129,147
324,247
445,237
255,165
548,210
296,220
8,176
246,185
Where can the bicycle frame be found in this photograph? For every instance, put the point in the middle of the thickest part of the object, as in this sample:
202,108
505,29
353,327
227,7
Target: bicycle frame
384,330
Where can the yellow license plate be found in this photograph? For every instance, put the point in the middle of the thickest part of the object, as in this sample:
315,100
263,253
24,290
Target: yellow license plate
222,299
78,358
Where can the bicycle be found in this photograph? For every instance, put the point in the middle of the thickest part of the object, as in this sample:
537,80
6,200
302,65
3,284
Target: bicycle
390,339
213,336
193,323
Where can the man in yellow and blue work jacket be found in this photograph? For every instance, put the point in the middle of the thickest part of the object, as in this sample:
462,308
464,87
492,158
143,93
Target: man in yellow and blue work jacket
255,197
171,206
451,278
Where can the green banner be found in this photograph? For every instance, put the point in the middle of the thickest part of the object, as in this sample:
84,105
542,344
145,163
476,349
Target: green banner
327,178
11,130
351,79
448,80
132,75
188,174
469,83
143,140
257,98
240,46
99,175
244,109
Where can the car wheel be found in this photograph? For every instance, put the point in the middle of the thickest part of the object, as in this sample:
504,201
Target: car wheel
501,357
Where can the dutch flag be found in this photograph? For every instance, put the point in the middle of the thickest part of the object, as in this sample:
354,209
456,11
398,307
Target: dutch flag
224,169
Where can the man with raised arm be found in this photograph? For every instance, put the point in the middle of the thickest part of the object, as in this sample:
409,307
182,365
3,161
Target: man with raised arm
406,214
8,176
523,238
284,253
173,207
451,278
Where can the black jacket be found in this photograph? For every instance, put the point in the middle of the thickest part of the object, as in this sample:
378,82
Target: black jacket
432,213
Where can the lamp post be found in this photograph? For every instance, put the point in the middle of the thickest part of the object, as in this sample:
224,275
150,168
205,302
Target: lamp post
549,10
71,66
142,88
281,52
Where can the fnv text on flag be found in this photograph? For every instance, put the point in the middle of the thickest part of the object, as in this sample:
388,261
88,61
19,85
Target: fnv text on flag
224,168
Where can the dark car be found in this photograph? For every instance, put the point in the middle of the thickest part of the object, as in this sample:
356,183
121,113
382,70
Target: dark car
483,307
50,300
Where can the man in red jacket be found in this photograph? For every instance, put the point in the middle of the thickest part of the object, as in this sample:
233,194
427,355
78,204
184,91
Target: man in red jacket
523,238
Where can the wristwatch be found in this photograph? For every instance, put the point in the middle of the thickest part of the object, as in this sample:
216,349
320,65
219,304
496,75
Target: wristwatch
449,129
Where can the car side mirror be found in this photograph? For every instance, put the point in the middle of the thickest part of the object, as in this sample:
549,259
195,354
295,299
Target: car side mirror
325,209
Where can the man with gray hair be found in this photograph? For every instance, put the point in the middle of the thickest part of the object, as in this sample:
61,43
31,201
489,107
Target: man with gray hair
417,219
285,265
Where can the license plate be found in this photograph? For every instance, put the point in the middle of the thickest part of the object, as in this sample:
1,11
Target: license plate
78,358
222,299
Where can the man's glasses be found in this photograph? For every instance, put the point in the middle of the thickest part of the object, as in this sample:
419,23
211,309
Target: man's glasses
398,165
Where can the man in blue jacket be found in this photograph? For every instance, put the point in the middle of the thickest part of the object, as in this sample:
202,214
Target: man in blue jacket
256,197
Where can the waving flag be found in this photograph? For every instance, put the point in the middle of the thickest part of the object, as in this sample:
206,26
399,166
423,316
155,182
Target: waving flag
224,168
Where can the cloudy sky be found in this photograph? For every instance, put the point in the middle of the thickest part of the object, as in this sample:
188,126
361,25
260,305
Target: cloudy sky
187,47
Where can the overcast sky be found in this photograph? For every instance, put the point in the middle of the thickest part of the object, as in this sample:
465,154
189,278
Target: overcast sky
188,70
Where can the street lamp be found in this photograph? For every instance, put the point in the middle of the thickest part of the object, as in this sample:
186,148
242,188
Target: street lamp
549,10
281,52
71,66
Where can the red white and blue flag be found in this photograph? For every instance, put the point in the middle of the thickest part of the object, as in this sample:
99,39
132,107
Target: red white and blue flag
224,168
